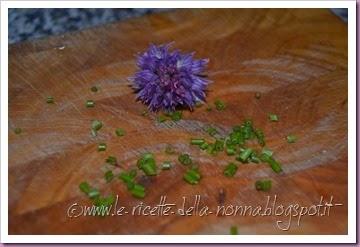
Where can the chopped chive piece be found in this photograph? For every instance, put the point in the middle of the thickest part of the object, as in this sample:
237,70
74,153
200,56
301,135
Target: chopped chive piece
84,187
109,175
219,105
260,137
263,185
244,155
247,130
192,176
230,151
120,132
257,95
147,164
93,193
96,125
211,131
185,159
169,149
204,146
111,160
233,230
254,158
176,115
17,131
211,149
125,177
90,103
275,166
267,152
50,100
101,147
219,145
291,138
94,89
230,170
161,118
104,202
133,173
273,117
197,141
138,191
166,165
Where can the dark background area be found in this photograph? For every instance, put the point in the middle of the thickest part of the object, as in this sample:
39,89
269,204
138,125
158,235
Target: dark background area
30,24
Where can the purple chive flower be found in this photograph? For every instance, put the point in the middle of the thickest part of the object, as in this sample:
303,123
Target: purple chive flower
167,79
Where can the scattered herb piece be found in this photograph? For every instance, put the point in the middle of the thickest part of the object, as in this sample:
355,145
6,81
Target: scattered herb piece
234,230
267,152
244,155
273,117
275,166
260,137
192,176
94,89
138,191
84,187
119,132
230,151
96,125
230,170
257,95
211,131
166,165
185,159
254,158
147,164
197,141
93,193
111,160
90,103
133,173
219,105
101,147
291,138
17,130
109,175
161,118
204,146
176,115
50,100
263,185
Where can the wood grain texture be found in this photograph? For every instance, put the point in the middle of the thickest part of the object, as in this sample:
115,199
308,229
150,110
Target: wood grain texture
297,59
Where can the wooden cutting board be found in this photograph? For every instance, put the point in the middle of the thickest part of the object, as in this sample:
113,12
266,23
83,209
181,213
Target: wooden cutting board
296,59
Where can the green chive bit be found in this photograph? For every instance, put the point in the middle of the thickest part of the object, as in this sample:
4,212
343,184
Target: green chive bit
234,230
260,137
219,145
90,103
267,151
263,185
111,160
211,149
94,89
219,105
125,177
96,125
244,155
176,116
147,164
257,95
254,158
204,146
291,138
93,193
119,132
230,170
17,131
192,176
273,117
133,173
161,118
275,166
104,202
101,147
247,130
169,149
185,159
84,187
197,141
109,175
211,131
166,165
138,191
50,100
230,151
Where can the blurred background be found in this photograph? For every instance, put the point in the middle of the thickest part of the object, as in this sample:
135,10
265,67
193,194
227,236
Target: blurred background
30,24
